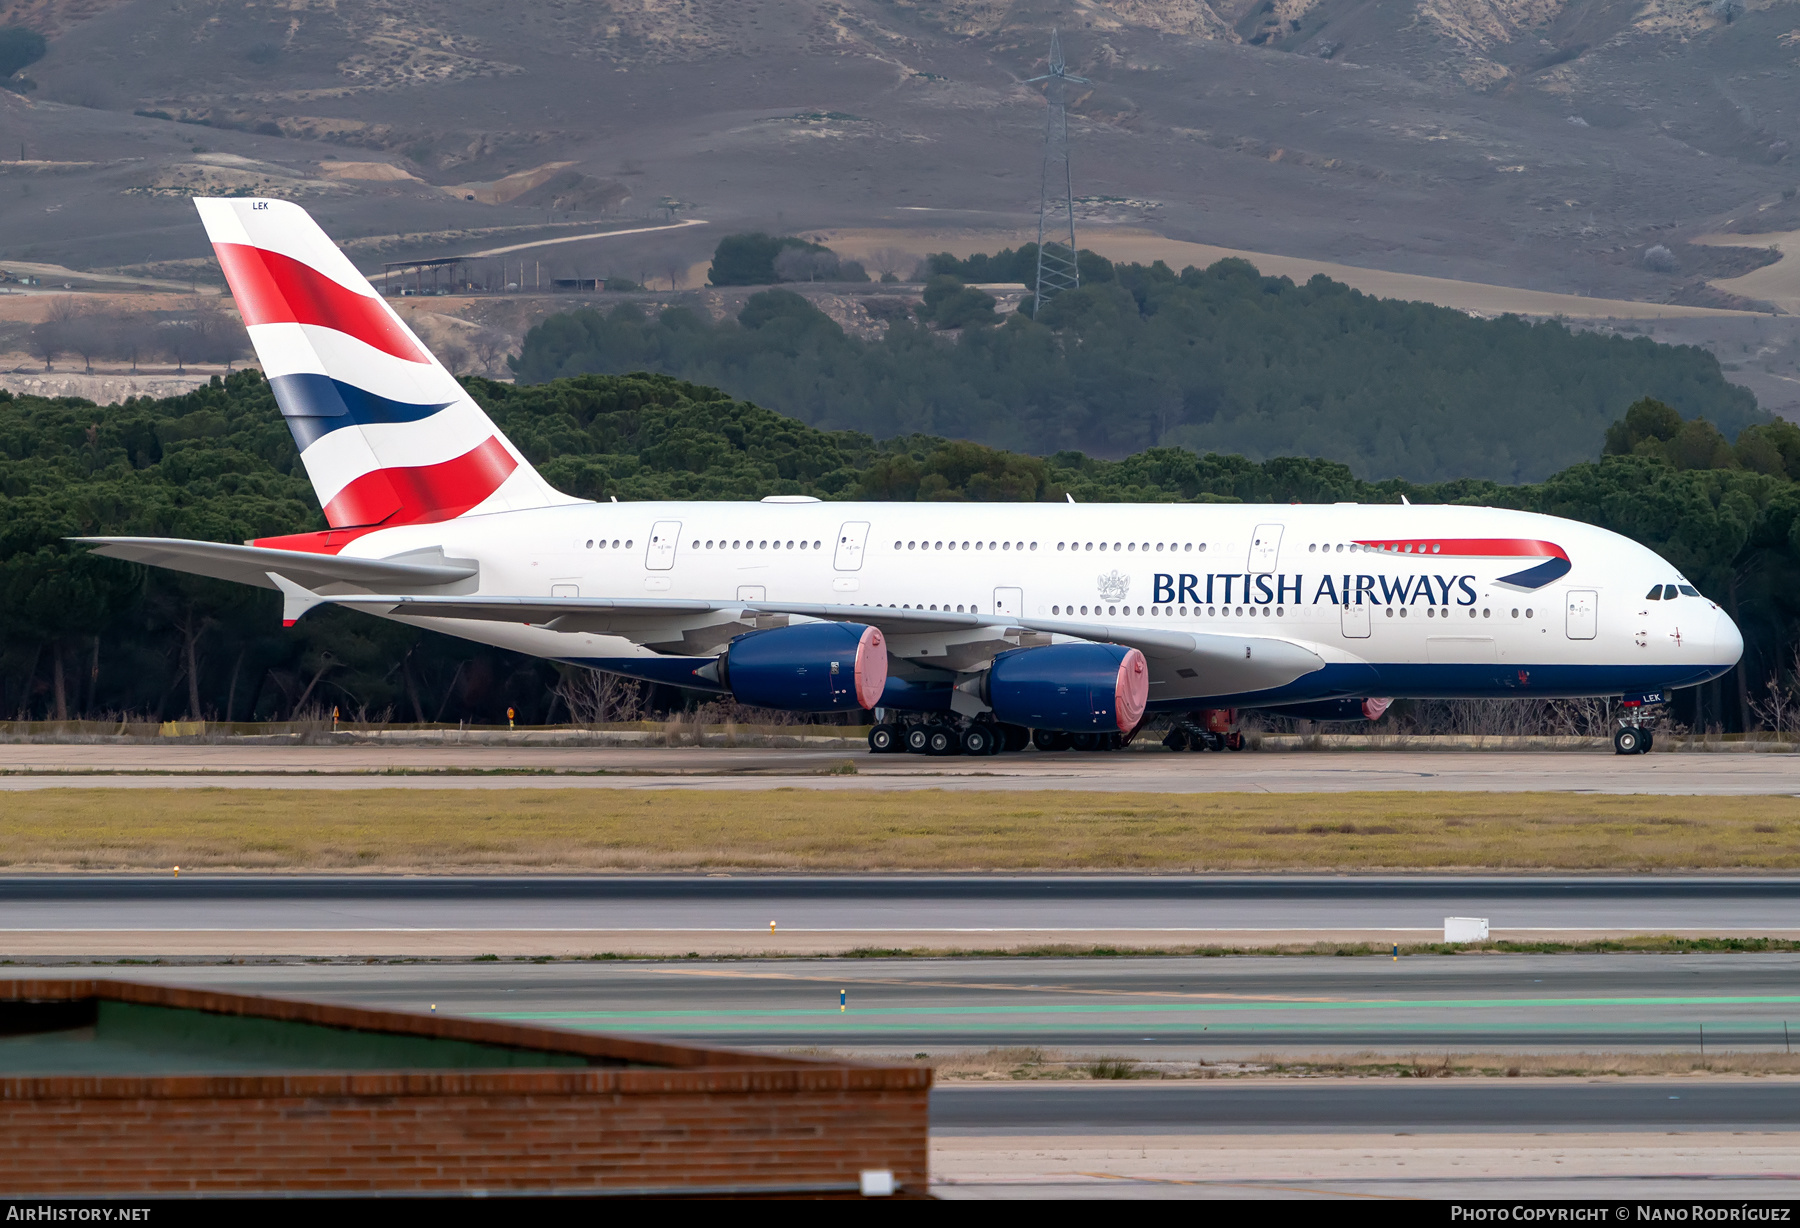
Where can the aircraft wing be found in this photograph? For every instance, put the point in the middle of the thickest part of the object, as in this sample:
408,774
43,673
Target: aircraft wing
1231,664
252,564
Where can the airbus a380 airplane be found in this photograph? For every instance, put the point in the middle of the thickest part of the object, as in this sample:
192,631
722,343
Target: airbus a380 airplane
965,625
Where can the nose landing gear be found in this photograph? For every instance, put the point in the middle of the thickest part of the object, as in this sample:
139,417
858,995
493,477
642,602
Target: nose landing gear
1636,718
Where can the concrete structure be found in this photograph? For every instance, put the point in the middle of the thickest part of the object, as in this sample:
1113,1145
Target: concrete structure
116,1088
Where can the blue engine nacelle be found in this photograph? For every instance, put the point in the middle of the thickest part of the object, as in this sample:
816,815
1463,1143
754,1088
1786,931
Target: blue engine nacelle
811,667
1070,688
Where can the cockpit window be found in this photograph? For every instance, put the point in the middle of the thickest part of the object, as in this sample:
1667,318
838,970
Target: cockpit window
1688,590
1668,592
1655,593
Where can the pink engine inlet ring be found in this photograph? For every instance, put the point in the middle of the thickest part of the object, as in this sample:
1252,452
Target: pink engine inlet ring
1131,691
871,667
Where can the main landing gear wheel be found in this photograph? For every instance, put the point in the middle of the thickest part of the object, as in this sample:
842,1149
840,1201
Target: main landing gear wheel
978,740
918,739
1629,741
1050,739
885,740
940,741
1176,739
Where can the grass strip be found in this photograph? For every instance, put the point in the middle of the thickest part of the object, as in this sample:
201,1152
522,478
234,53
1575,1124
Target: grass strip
598,830
1030,1064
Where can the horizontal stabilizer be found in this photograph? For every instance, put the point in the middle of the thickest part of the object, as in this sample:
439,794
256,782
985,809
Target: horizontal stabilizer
252,564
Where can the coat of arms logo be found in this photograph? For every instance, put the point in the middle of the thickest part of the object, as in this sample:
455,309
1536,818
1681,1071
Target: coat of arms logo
1113,585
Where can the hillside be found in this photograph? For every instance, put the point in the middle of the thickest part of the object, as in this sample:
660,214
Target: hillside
1533,143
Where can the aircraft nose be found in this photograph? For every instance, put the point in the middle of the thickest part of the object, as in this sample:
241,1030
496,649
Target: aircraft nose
1727,641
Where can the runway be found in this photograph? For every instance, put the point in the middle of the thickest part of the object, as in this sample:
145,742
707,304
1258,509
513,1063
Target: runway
357,767
146,915
1155,1009
1328,1105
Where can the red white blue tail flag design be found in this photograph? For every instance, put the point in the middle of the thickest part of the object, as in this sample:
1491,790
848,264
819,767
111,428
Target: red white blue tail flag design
1549,561
387,434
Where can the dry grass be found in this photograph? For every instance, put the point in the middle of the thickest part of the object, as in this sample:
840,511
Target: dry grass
799,829
1020,1064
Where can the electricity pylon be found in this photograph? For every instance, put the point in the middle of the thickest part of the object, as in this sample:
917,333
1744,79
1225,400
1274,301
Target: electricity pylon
1056,268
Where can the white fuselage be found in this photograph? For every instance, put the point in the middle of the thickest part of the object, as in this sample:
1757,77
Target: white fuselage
1373,589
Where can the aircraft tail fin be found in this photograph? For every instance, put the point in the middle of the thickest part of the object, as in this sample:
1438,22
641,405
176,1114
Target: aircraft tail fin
387,435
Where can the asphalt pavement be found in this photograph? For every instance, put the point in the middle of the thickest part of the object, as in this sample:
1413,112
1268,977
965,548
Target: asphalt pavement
1258,1106
39,766
1250,907
1226,1009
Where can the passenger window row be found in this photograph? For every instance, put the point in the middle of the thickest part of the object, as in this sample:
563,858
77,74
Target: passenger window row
722,544
602,543
964,546
1170,611
1147,547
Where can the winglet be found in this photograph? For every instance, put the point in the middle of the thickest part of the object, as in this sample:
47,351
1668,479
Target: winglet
295,600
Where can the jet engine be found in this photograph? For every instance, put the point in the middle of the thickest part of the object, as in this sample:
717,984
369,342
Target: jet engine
1072,688
809,667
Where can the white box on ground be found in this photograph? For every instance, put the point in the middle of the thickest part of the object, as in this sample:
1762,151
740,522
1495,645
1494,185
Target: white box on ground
1465,929
877,1183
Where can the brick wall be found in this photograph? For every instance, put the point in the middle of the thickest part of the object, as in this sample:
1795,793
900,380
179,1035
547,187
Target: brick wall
719,1121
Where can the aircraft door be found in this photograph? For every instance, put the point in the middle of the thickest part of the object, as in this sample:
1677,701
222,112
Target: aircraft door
1009,602
1265,545
1356,620
852,536
1584,613
660,554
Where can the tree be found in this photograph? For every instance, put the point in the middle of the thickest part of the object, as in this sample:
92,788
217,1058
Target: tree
950,304
181,341
892,262
218,464
489,345
749,259
48,342
88,334
19,47
218,336
133,338
1646,420
1221,360
454,357
803,264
